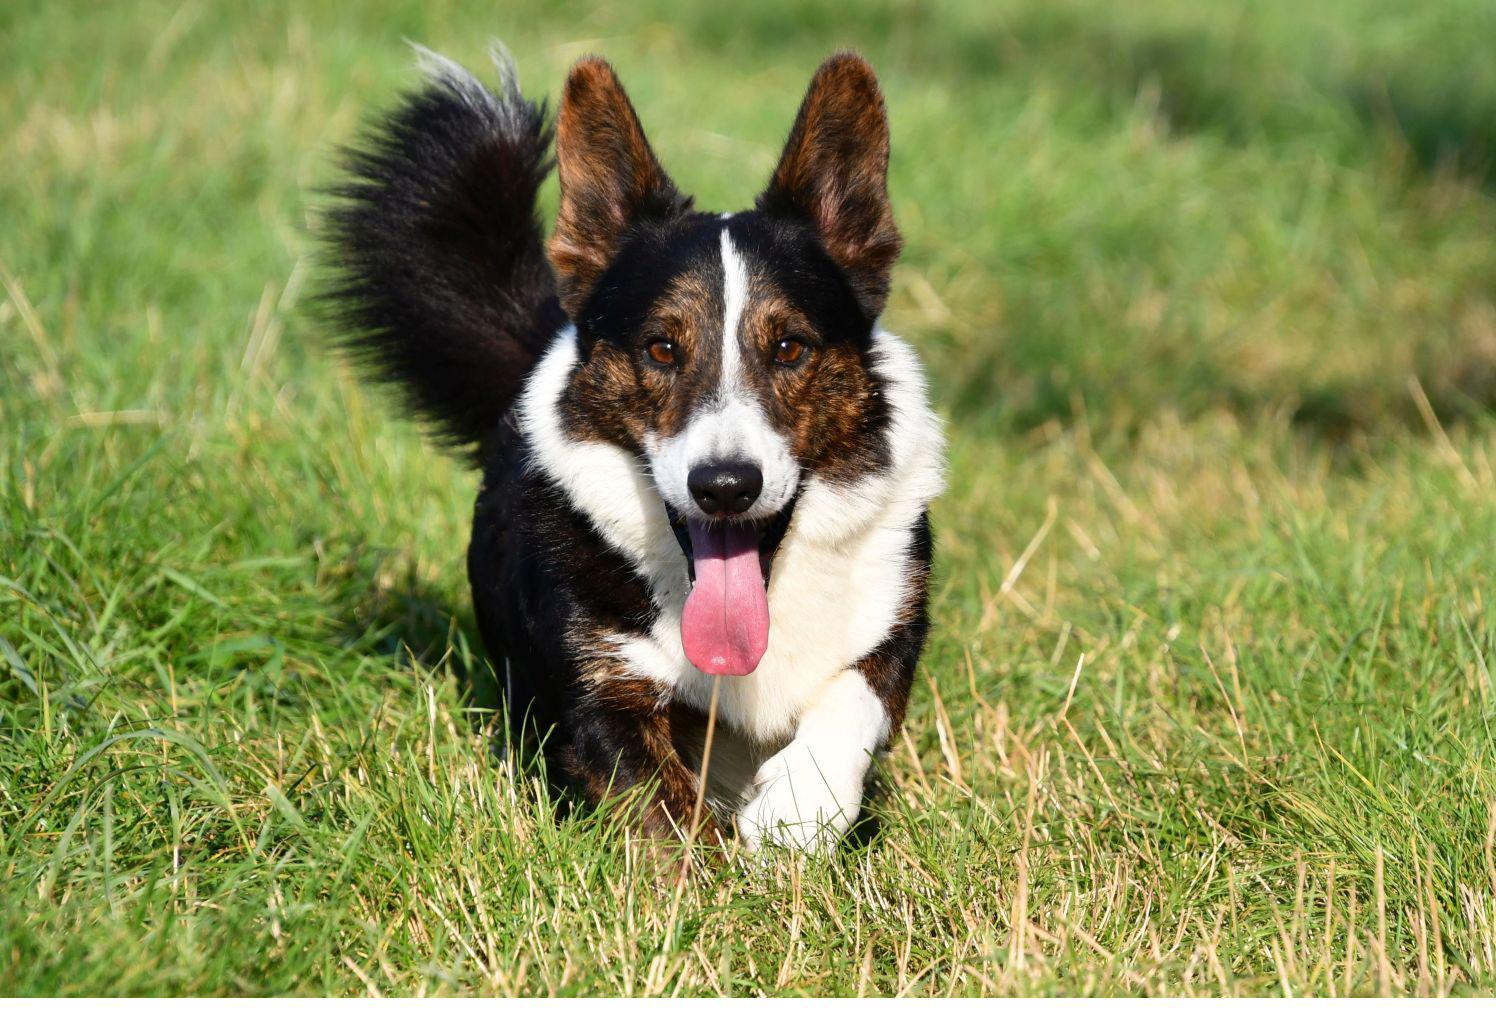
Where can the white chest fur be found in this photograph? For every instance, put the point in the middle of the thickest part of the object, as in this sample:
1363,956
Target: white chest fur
829,606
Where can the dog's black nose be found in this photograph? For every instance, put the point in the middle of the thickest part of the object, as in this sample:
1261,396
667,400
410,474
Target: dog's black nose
725,488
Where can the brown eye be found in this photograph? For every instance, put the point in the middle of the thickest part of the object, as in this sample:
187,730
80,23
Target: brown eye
662,351
789,351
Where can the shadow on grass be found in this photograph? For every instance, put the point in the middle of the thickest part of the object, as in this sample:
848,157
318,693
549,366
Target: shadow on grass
414,622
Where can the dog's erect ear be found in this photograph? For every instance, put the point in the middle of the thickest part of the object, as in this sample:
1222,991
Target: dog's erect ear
610,179
834,173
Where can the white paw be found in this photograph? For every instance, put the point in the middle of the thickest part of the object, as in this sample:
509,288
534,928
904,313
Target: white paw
802,803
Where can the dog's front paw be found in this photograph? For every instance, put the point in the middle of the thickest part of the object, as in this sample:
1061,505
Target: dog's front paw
802,803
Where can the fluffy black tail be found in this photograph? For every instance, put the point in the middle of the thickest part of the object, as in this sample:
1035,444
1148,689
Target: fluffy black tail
440,278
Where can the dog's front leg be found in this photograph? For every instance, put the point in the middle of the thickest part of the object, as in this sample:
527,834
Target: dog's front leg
810,792
621,742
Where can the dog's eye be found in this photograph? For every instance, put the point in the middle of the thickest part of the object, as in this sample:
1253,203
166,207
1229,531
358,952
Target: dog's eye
789,351
662,351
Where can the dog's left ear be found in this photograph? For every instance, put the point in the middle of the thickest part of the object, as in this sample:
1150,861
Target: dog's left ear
834,173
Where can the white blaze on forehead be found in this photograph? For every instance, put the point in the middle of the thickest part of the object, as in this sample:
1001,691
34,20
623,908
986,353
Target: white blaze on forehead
734,299
731,424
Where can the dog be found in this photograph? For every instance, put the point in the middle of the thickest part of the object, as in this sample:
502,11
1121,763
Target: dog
706,467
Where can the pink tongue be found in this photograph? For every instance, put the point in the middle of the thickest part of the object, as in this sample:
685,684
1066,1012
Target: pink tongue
725,626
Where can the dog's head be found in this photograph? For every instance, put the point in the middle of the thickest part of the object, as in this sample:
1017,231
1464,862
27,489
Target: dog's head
731,353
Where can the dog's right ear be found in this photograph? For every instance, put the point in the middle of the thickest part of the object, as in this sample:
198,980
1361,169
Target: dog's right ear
610,179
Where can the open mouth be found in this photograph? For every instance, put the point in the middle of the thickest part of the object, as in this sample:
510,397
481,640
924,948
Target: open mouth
725,624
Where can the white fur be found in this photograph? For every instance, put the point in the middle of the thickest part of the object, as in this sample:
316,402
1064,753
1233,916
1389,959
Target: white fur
506,108
838,585
734,299
809,793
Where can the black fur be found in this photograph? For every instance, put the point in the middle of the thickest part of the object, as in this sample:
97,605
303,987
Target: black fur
442,283
537,567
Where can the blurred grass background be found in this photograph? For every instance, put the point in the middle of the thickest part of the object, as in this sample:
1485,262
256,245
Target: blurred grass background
1208,295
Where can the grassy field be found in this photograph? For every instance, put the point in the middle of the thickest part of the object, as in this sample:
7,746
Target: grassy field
1209,299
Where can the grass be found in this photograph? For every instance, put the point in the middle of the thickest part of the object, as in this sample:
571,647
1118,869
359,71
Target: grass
1208,299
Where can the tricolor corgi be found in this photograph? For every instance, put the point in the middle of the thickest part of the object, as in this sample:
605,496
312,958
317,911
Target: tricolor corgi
706,466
